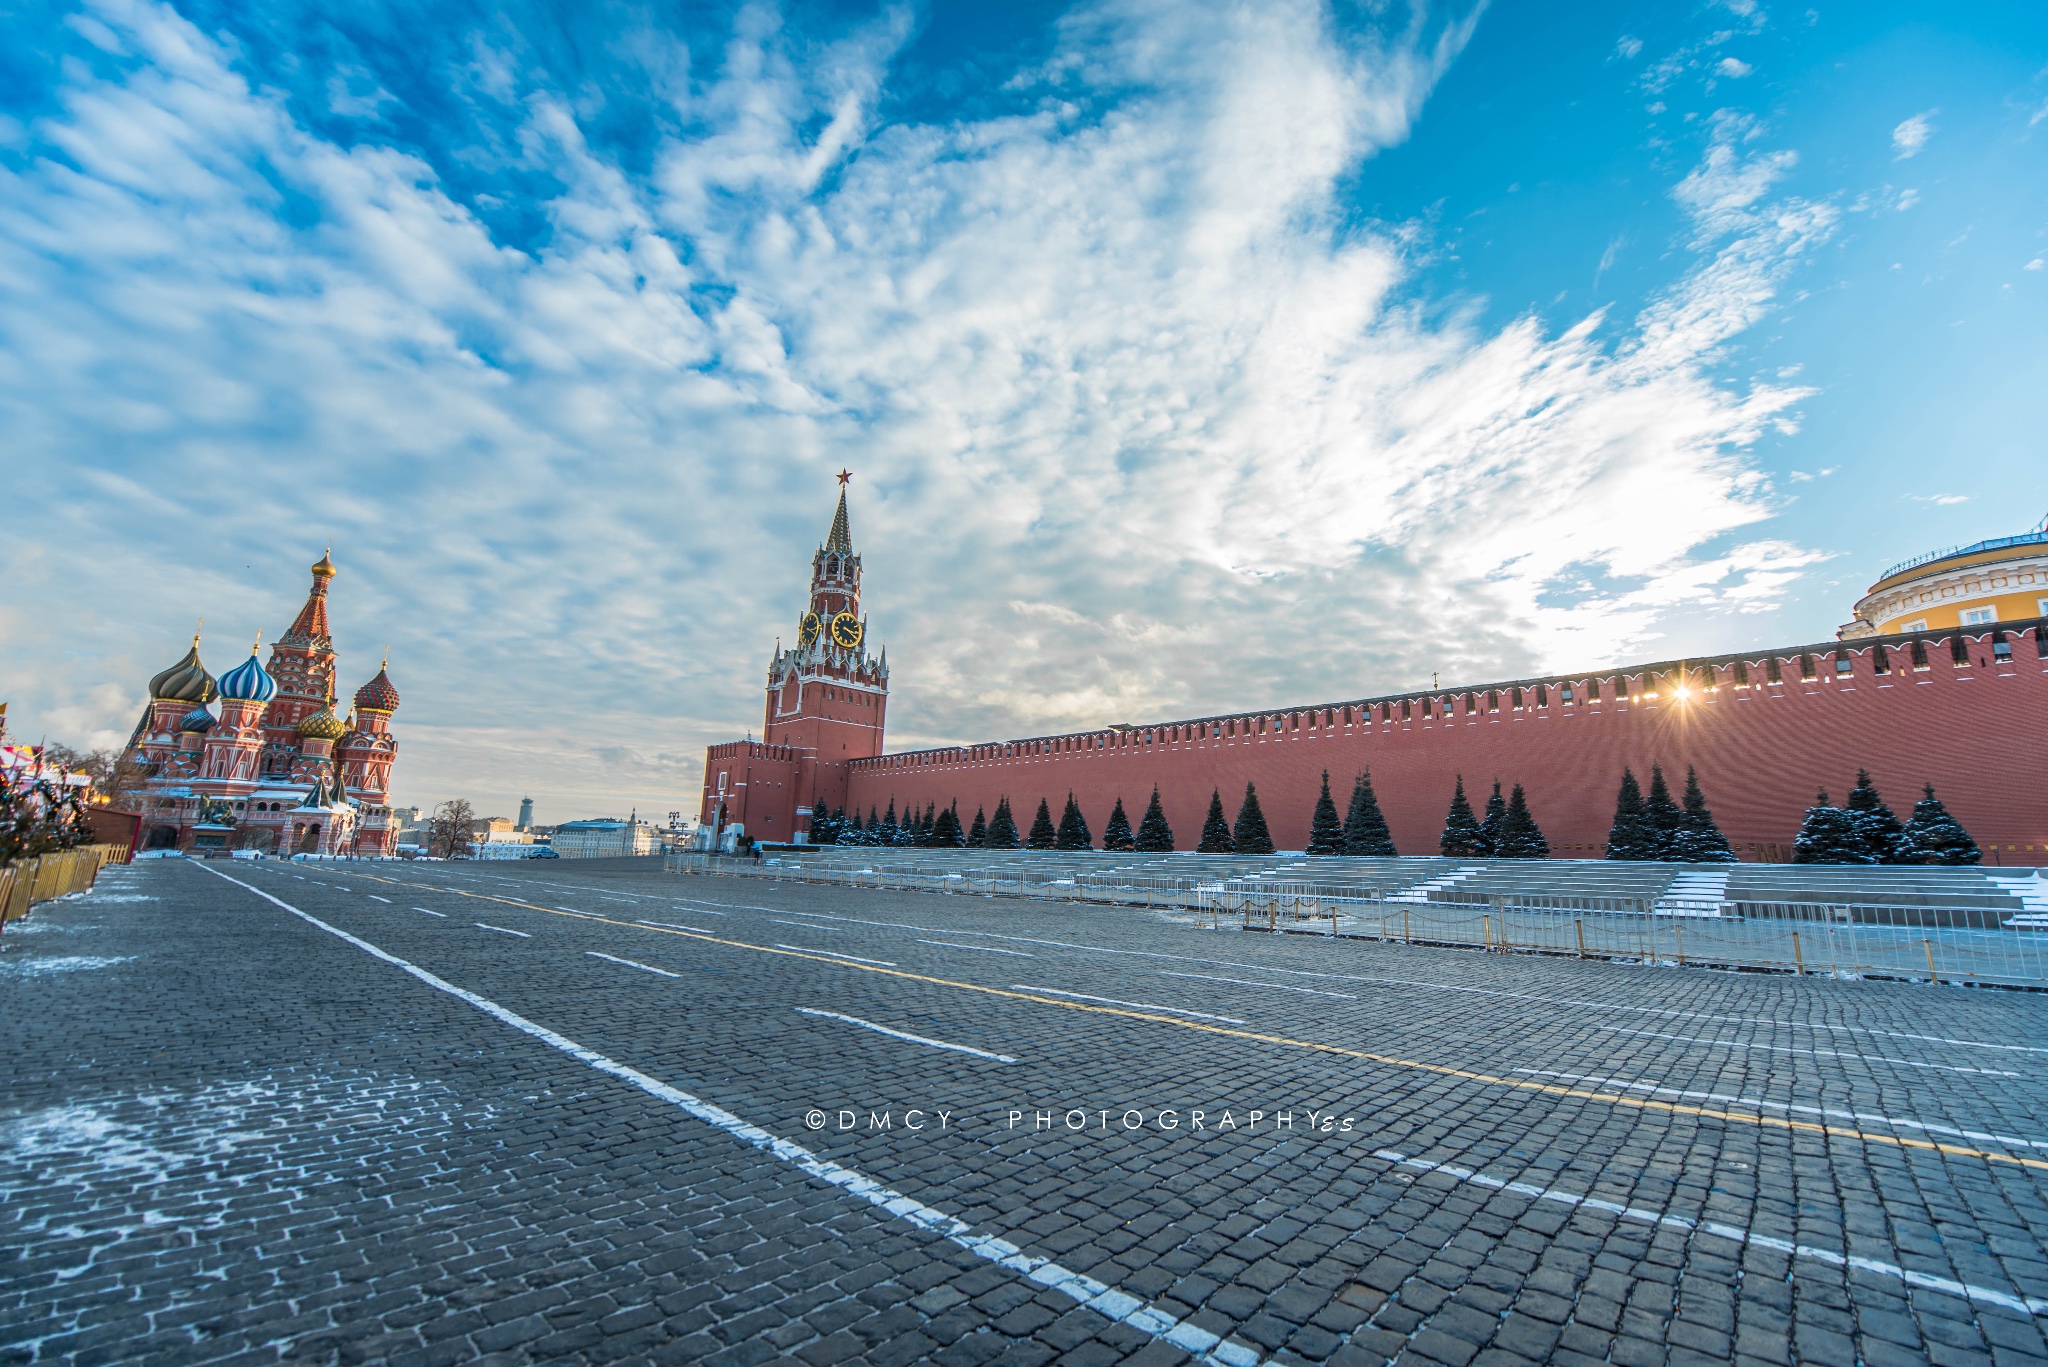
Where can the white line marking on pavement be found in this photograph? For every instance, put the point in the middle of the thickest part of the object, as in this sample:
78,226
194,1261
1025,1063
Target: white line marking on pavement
1142,1006
1105,1300
632,963
2025,1305
1276,987
983,949
1762,1105
442,914
375,898
501,930
1811,1053
805,925
671,925
833,953
1437,986
914,1039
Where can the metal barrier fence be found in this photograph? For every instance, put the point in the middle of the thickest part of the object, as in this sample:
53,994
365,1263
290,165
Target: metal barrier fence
1842,940
24,884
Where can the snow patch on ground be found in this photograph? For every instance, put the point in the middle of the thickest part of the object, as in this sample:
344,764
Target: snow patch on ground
68,963
94,1182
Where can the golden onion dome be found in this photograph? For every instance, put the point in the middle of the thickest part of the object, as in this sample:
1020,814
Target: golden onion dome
323,568
323,725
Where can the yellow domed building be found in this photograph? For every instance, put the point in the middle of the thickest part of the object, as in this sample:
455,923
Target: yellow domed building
1984,584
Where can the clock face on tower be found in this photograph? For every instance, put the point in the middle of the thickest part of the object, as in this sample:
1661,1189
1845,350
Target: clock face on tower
846,630
810,630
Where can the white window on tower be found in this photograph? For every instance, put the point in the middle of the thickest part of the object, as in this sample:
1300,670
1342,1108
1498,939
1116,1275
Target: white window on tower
2041,607
1978,617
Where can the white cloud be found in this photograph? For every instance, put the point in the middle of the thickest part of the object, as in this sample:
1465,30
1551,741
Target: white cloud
1127,400
1627,47
1734,67
2033,265
1912,134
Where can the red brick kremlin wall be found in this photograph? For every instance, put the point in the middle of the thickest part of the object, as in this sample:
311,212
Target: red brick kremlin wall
1978,731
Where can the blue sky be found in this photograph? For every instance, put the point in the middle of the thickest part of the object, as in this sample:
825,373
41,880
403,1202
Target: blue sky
1187,357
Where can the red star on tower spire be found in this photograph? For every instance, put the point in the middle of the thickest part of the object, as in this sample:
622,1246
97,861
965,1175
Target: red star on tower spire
845,476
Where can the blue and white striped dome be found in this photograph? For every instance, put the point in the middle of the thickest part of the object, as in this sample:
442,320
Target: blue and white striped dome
247,682
198,719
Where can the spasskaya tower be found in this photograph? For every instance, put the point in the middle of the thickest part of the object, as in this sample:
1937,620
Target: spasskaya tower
828,700
828,695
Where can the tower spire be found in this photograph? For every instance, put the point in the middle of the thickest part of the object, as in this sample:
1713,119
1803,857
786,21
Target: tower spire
310,628
839,539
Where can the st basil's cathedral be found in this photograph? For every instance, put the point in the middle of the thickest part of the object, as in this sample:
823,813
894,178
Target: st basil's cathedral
276,769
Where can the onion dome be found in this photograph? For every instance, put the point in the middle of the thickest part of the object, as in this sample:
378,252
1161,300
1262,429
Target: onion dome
185,681
248,681
377,695
324,725
323,568
198,719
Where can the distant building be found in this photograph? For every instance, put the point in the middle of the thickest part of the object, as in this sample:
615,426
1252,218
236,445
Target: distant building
498,830
525,814
1981,585
604,838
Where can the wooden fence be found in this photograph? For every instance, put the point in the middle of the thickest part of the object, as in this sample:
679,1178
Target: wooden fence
24,884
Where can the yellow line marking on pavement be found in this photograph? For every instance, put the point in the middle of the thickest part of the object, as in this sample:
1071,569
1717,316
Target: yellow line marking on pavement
1766,1122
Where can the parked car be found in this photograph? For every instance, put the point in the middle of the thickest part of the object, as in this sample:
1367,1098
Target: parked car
543,852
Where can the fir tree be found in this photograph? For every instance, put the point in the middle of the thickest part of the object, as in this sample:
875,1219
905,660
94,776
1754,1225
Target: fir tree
1073,832
1250,834
928,827
946,830
1490,824
1365,830
1663,816
1002,828
977,835
1828,835
1117,834
1935,837
1325,832
1043,836
1699,840
1874,821
850,831
1154,835
1520,837
1631,836
1215,831
886,833
1462,838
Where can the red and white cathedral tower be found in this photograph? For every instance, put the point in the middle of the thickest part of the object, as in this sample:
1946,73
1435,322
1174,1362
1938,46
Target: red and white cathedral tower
277,768
827,705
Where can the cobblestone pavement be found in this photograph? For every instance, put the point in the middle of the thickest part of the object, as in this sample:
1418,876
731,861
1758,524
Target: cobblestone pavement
589,1112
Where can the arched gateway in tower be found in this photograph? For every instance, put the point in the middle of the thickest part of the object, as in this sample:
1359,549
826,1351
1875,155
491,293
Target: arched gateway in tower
828,701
